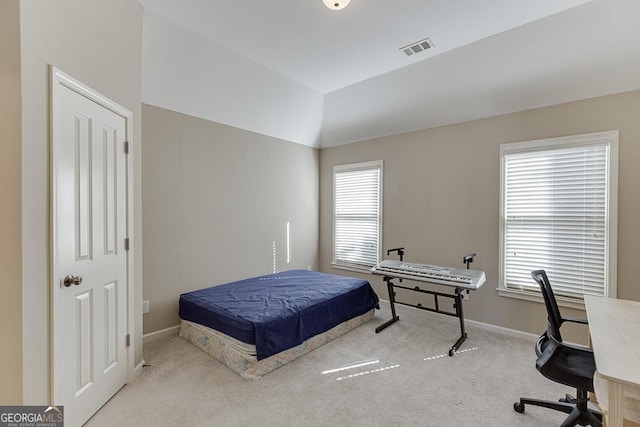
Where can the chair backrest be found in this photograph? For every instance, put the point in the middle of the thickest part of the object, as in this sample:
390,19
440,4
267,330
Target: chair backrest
553,312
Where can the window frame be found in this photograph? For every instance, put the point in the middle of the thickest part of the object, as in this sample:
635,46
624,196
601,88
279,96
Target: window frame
610,138
370,165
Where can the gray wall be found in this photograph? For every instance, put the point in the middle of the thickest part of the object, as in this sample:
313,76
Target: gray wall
441,196
10,210
215,199
99,43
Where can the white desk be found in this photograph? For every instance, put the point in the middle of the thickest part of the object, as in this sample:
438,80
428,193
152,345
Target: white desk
614,326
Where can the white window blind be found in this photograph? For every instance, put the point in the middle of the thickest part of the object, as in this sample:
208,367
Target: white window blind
357,214
556,210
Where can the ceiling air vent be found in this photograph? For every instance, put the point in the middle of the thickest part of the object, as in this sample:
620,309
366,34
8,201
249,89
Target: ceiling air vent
417,47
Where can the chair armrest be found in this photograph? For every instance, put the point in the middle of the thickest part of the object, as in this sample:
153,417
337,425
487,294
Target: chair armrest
576,347
558,346
549,352
574,320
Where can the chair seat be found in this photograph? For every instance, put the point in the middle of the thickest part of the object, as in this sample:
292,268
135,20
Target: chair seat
572,367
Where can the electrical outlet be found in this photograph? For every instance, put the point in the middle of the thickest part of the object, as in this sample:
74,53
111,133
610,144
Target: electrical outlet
145,307
465,295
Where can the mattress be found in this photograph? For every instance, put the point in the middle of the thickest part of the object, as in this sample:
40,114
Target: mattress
279,311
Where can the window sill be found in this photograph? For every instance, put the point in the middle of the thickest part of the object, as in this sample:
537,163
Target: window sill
364,270
536,297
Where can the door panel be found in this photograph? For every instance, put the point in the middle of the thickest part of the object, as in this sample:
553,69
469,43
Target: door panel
82,142
110,193
84,342
110,325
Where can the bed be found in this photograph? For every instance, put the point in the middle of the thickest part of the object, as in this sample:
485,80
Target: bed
257,325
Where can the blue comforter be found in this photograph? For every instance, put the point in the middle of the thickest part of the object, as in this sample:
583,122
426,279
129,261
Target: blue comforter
279,311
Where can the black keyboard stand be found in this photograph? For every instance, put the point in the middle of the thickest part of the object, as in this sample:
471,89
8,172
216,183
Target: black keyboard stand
457,297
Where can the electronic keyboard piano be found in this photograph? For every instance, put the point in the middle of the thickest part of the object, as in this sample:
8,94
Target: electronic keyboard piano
462,280
457,277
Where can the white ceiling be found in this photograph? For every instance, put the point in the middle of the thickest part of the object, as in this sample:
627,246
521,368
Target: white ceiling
327,50
490,57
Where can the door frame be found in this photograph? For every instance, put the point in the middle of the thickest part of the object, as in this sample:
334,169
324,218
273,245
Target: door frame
58,81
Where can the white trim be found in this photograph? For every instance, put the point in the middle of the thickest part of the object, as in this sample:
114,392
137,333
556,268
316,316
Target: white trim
612,250
60,78
503,331
565,141
358,166
537,297
363,270
512,332
353,167
611,138
152,336
131,277
138,369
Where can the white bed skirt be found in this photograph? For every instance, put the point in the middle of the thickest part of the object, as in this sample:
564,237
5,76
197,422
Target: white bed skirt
243,360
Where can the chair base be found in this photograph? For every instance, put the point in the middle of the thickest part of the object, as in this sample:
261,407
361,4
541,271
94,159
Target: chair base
579,413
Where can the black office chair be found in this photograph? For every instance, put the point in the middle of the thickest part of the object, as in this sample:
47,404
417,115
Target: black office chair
563,363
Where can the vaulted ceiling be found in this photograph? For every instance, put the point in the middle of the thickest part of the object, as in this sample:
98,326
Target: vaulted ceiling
487,57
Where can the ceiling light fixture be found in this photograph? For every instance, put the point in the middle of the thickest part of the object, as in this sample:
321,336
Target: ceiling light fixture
336,4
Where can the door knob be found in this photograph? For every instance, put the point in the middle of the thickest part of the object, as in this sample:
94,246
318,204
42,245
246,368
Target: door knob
71,280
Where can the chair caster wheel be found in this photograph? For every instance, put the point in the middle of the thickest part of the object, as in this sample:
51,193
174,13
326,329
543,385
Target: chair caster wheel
451,352
518,407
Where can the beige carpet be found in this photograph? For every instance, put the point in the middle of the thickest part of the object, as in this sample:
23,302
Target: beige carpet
406,380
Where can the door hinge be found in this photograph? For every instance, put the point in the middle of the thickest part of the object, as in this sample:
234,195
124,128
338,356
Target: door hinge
128,340
126,244
126,147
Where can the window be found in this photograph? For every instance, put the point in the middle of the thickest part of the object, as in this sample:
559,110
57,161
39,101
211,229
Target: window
558,213
357,215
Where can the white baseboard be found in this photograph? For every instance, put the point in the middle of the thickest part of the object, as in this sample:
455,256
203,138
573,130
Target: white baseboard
502,330
152,336
138,369
486,326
